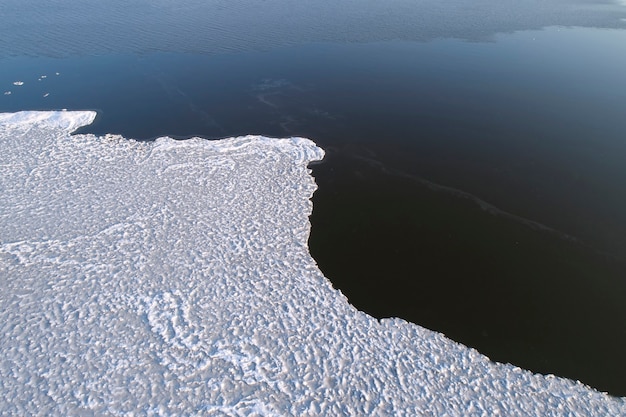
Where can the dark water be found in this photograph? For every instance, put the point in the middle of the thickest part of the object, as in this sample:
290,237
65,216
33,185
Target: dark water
62,28
475,188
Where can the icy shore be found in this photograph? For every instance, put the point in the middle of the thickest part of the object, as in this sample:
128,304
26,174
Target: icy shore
173,278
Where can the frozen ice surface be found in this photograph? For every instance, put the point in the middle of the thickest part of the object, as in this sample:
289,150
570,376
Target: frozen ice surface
174,278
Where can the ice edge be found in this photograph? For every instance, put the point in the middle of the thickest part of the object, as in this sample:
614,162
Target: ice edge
395,329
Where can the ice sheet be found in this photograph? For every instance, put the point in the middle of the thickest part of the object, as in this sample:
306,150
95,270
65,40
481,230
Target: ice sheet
173,278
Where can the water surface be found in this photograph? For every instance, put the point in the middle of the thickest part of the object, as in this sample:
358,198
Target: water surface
475,188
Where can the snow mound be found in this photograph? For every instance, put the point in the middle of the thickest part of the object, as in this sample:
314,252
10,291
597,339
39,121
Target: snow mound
46,120
173,278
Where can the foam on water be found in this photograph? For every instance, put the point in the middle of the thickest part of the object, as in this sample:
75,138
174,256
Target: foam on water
174,277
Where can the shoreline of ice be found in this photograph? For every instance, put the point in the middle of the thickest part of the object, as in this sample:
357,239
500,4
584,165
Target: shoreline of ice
174,277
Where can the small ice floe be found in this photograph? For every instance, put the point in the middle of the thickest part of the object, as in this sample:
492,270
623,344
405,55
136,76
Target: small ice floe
43,76
46,95
18,83
57,73
7,93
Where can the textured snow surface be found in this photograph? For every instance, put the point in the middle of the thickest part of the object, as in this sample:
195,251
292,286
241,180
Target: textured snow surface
173,278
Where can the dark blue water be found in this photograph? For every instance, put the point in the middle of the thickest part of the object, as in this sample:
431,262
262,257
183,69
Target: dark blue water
475,188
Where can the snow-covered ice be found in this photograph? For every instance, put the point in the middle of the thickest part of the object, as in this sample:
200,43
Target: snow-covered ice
18,83
174,278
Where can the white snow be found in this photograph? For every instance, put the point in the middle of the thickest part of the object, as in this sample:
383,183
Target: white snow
18,83
173,278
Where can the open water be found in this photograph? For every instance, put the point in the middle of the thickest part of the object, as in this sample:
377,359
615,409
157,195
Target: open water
475,179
